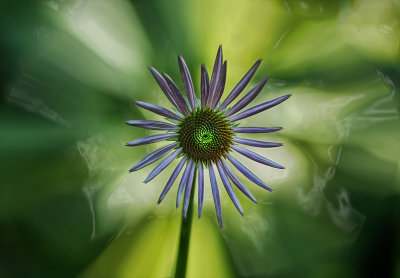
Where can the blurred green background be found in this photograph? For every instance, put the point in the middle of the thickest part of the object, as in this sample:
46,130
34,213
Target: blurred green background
70,72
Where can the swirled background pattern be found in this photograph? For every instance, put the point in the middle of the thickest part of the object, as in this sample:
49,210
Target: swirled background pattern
70,71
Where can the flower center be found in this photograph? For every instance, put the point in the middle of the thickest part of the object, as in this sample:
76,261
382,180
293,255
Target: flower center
205,135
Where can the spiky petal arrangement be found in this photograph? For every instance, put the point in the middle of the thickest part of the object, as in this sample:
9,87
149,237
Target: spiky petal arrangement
203,132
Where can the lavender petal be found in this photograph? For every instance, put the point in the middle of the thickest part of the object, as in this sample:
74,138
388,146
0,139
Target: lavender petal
158,110
172,179
153,157
162,165
220,86
239,184
183,182
247,98
256,143
151,139
163,85
240,86
201,188
229,189
214,187
205,86
256,157
215,76
259,108
182,105
247,173
155,125
187,82
188,190
255,129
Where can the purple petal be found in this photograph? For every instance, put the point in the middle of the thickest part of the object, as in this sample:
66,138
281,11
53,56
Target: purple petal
155,125
247,98
172,179
259,108
201,188
183,182
187,82
240,86
188,190
153,157
229,189
255,129
215,77
214,187
256,143
151,139
237,181
164,86
162,165
246,172
205,85
256,157
182,105
221,85
158,110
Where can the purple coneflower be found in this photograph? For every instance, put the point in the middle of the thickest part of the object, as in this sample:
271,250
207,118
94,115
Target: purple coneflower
203,132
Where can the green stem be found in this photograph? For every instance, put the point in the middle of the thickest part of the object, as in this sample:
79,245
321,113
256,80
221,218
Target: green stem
184,242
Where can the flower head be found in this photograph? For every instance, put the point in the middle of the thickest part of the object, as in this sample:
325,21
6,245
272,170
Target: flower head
203,132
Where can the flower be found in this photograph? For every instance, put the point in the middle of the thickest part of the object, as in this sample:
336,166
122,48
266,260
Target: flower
202,134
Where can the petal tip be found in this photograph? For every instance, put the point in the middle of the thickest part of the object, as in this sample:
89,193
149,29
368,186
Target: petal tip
134,168
153,71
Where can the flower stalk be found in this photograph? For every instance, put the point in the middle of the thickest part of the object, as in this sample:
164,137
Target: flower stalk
184,242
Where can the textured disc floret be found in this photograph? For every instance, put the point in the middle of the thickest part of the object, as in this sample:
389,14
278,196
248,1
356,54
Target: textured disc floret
205,135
